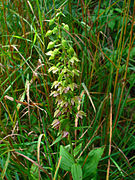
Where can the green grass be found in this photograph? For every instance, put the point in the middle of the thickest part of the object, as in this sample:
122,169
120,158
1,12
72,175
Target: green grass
102,35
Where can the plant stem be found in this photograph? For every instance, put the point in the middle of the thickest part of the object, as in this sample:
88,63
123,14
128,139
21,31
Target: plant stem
71,146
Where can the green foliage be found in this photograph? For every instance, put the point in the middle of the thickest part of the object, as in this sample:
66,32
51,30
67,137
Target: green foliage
90,167
34,172
67,160
76,172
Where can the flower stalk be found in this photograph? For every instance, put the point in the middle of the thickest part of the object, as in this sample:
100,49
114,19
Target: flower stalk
63,60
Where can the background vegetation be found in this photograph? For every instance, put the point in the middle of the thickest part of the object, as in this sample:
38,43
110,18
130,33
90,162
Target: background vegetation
102,34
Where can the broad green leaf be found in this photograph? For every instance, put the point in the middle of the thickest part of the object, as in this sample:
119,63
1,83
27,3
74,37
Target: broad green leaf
67,160
76,172
90,167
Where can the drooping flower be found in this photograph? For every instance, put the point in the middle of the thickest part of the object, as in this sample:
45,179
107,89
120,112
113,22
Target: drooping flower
56,124
65,134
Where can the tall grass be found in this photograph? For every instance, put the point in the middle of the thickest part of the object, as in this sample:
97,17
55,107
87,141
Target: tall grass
103,38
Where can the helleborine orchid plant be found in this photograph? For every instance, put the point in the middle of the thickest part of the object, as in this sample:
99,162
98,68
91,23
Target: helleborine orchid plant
64,65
